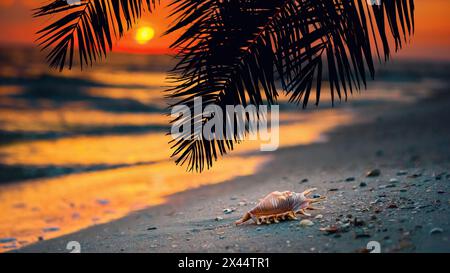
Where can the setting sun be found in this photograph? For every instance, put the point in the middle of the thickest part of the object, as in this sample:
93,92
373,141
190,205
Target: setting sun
144,34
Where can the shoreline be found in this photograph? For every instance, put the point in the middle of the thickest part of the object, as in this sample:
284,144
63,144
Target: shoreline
399,211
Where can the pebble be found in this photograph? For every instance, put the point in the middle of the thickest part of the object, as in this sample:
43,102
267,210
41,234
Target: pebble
415,175
151,228
393,180
436,231
218,218
373,173
402,172
358,222
242,203
350,179
392,206
333,189
315,195
318,216
363,184
306,223
330,229
228,210
304,180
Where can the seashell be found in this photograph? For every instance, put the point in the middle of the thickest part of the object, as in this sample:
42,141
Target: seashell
278,206
306,223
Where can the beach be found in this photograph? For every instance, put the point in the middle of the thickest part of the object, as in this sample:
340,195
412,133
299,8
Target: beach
386,176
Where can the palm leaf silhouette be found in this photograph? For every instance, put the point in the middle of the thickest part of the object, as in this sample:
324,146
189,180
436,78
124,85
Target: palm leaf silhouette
91,24
234,51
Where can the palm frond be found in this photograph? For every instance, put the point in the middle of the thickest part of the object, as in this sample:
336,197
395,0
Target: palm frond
233,52
90,26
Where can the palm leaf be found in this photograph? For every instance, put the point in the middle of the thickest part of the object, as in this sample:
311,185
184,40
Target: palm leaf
90,26
233,52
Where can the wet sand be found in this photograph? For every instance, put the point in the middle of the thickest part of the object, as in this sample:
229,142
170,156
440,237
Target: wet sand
406,208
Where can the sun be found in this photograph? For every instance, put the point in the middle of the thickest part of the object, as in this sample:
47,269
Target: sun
144,34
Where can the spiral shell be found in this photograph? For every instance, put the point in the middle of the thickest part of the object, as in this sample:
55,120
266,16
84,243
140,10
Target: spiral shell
280,205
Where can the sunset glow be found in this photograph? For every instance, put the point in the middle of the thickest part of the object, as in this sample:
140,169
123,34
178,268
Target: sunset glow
431,32
144,34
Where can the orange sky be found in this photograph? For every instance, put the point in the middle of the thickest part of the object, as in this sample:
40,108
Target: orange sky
431,40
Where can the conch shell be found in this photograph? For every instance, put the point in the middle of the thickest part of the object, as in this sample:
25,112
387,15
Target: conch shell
281,205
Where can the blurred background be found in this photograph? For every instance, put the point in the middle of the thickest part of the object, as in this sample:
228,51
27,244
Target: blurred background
79,148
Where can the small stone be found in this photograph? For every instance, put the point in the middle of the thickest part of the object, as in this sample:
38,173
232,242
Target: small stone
333,189
362,184
349,179
358,222
392,206
330,229
218,218
151,228
402,172
318,216
436,231
315,195
304,180
306,223
415,175
373,173
393,180
228,210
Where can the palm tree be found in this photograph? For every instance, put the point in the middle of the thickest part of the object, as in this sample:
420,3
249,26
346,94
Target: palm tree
234,52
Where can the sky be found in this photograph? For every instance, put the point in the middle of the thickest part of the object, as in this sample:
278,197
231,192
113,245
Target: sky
430,41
